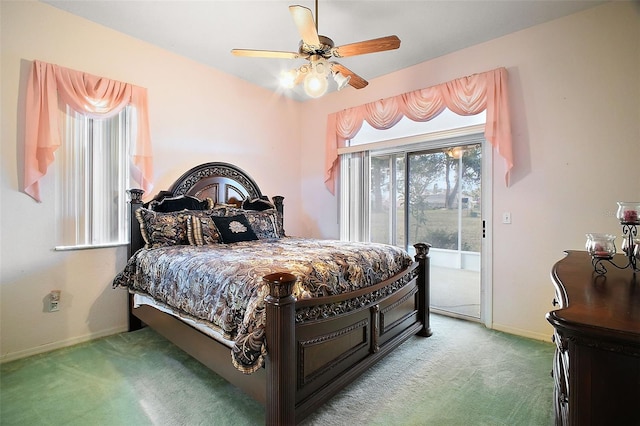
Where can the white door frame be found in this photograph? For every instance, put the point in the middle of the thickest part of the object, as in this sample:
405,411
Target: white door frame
486,270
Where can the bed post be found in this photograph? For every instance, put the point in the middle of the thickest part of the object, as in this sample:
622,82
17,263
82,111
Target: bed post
135,237
422,256
281,358
278,202
135,242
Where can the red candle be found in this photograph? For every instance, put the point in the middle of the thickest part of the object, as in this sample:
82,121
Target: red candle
630,216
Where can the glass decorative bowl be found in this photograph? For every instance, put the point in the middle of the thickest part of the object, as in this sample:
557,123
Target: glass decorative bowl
633,250
601,245
628,212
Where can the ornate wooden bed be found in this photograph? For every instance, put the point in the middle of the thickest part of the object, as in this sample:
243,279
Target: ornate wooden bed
315,346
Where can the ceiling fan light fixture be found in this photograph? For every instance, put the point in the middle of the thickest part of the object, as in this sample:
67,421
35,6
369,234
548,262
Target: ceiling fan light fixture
317,49
320,67
288,78
315,85
341,80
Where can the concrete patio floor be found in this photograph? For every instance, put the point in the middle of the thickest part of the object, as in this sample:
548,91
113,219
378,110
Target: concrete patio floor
456,291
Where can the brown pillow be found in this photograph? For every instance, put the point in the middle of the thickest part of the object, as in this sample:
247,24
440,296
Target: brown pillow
266,223
160,229
202,231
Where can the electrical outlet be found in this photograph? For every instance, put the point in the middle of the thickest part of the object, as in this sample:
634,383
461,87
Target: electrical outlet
54,301
506,217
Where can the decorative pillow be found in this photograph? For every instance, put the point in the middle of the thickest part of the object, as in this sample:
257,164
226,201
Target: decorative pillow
160,229
202,231
263,223
234,229
181,202
259,204
266,224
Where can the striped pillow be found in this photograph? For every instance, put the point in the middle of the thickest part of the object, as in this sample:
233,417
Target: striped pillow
202,231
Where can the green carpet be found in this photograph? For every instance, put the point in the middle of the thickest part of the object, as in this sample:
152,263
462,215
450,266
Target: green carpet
463,375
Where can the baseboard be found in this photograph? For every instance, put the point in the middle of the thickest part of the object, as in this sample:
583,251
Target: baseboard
12,356
545,337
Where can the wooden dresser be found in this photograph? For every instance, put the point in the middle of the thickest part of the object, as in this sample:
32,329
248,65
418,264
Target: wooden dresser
596,367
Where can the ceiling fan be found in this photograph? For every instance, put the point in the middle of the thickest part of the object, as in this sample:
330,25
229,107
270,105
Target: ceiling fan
318,50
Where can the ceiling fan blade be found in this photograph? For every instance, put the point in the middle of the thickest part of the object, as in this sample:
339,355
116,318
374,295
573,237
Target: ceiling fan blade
355,81
369,46
266,54
303,18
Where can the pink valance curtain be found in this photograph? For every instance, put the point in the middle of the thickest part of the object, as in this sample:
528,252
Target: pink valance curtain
464,96
94,96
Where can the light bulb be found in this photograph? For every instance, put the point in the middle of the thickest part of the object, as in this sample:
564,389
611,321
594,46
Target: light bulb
315,85
288,79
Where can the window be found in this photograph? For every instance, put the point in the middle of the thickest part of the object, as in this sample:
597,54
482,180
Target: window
373,187
93,174
443,175
387,198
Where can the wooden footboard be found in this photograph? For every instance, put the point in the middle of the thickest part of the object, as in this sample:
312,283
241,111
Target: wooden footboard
318,346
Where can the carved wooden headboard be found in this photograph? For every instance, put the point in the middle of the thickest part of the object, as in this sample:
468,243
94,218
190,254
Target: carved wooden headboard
222,182
219,181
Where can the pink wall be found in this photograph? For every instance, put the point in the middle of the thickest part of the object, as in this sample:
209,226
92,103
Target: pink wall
575,105
197,114
572,156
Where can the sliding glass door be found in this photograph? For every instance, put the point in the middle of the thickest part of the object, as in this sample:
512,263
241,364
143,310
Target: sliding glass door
445,210
434,196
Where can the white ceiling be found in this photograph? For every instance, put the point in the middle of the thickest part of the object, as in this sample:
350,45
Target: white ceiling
207,30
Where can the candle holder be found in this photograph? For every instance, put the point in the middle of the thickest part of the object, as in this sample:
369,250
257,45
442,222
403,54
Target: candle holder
602,247
628,212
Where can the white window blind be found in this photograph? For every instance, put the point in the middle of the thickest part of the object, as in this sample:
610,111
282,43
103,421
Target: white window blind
354,187
91,180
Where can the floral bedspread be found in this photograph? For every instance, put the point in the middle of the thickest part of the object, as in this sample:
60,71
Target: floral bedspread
221,285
